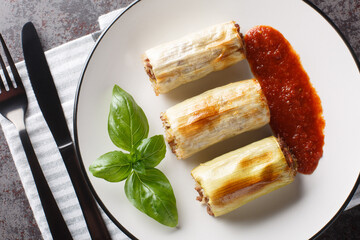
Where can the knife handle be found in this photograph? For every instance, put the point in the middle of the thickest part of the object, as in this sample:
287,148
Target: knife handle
92,215
56,222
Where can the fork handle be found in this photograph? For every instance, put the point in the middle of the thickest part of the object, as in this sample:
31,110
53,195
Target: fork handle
57,225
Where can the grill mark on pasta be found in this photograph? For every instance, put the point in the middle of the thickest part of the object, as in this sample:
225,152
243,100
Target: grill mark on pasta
209,119
235,188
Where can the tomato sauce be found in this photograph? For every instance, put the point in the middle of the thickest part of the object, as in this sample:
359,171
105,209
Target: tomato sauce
295,107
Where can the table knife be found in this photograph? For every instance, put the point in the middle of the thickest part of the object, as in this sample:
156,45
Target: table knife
50,105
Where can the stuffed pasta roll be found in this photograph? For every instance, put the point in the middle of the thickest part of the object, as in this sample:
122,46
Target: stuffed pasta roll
189,58
233,179
215,115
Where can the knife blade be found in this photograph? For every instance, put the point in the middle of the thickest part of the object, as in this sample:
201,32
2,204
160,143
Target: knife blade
50,105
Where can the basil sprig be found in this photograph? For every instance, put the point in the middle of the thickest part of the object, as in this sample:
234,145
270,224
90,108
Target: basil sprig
146,187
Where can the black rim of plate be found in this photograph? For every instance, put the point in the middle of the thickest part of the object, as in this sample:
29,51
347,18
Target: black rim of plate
122,228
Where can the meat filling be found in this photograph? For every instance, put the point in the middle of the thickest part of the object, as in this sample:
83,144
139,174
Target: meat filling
170,138
290,158
242,49
203,198
149,69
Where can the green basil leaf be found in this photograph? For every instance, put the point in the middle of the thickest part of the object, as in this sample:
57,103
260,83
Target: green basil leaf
152,150
112,166
127,123
152,194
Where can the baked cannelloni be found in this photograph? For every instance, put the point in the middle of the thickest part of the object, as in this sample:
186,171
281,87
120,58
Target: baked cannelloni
233,179
172,64
215,115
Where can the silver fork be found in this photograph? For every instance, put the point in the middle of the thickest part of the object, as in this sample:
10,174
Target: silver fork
13,106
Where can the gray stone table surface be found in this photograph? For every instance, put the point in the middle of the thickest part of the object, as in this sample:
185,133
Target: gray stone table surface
64,20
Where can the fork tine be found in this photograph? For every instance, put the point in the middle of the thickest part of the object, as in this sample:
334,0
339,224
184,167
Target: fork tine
6,74
2,86
11,64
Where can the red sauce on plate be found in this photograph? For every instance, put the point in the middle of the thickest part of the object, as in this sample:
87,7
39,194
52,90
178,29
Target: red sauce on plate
295,107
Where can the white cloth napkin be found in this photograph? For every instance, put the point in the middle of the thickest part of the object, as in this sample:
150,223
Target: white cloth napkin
66,63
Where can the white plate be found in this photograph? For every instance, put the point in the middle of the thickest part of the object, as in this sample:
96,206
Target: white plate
297,211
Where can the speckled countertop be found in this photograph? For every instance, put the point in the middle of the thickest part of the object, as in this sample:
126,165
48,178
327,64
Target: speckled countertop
64,20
